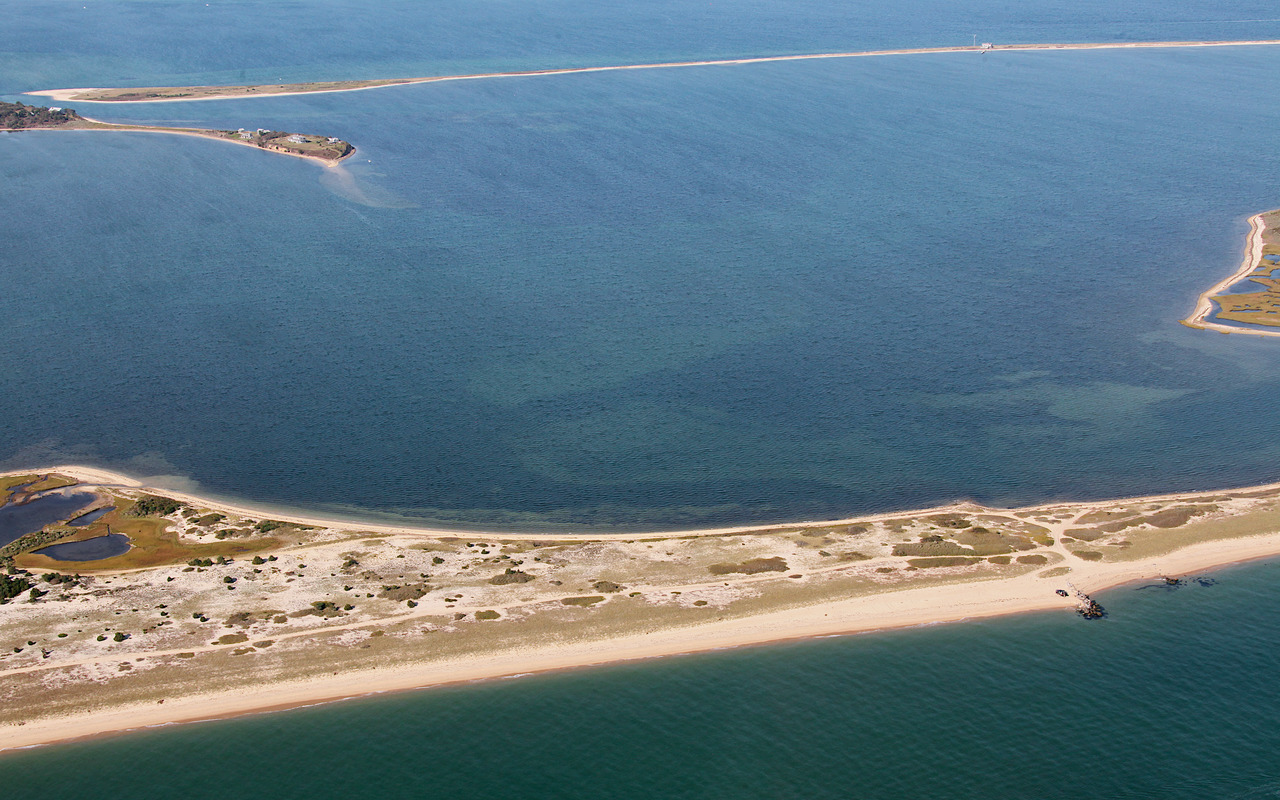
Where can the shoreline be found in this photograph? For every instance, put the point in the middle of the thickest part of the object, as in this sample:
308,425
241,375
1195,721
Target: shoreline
98,475
907,608
1252,260
112,127
262,90
885,607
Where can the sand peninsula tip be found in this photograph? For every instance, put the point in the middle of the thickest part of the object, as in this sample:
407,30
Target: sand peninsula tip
327,150
163,94
217,610
1261,261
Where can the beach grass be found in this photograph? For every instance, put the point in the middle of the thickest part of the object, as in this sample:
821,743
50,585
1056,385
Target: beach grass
350,607
153,543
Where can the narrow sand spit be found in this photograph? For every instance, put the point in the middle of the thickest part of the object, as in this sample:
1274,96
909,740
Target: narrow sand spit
265,90
569,643
1252,258
910,607
111,127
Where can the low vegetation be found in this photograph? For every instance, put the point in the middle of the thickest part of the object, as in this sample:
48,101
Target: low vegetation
34,541
1260,307
752,566
944,561
413,591
153,542
150,505
510,576
51,482
585,602
13,585
17,116
149,93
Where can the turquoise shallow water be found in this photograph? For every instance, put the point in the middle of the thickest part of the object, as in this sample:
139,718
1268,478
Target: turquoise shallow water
1172,696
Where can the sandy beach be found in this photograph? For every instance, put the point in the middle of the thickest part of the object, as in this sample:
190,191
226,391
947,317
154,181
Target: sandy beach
900,609
1230,527
85,94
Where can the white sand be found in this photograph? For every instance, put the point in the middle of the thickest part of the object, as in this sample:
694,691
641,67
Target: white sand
908,607
889,609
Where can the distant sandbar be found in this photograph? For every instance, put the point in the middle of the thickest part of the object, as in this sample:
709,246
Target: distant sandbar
1261,260
169,94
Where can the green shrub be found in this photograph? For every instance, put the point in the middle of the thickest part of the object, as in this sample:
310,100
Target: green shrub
511,576
931,546
413,591
150,505
753,566
11,587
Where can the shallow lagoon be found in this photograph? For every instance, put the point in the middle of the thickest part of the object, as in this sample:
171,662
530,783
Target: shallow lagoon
49,507
95,549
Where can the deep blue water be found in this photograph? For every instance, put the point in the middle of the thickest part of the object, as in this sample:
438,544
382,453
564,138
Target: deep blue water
20,519
1172,696
696,296
51,43
95,549
662,299
93,516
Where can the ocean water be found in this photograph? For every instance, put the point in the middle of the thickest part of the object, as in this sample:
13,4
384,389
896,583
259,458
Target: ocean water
661,299
1170,697
667,298
64,43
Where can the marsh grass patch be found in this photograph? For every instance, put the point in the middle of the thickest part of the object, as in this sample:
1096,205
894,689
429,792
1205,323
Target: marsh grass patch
583,602
753,566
